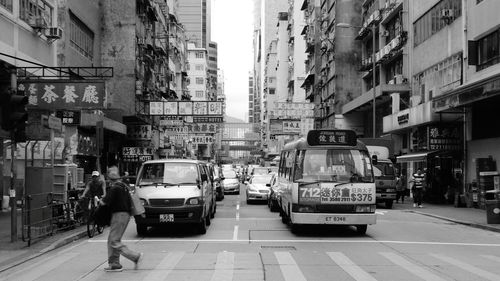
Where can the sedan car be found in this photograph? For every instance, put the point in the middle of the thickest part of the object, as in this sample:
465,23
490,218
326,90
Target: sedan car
230,182
258,188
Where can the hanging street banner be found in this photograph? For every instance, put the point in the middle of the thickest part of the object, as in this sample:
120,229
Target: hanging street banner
185,108
292,110
63,94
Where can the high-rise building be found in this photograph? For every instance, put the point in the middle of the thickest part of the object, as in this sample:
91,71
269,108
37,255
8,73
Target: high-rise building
212,71
251,98
197,72
195,16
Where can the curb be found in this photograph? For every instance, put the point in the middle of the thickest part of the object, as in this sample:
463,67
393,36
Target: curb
471,224
57,244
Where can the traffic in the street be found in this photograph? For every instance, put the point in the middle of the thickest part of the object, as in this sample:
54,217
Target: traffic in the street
249,242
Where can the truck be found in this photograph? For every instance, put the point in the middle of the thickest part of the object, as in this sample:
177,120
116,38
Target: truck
385,175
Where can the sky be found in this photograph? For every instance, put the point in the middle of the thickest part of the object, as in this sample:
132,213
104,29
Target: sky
232,29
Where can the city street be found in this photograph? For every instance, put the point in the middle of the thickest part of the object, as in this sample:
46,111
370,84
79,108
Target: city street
248,242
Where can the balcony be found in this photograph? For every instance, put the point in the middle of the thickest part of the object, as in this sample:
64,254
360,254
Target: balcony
391,9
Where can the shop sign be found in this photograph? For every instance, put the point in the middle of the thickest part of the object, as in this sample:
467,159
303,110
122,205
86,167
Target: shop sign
69,117
444,138
201,128
403,118
202,139
207,119
292,110
137,154
60,94
139,132
276,126
186,108
291,127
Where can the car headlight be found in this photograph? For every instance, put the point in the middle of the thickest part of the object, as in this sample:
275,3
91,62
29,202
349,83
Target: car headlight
195,201
144,202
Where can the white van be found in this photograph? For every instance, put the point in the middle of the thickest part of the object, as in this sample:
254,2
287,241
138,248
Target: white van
175,191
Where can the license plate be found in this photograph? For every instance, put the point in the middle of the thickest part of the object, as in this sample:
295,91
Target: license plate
166,217
335,219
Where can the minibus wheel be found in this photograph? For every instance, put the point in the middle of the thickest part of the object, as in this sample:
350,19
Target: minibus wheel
361,229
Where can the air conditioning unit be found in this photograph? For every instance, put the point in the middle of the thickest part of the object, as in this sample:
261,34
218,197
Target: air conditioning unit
385,33
447,14
398,79
54,33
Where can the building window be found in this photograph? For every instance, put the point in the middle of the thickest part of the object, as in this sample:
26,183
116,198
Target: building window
434,20
200,55
488,50
272,91
35,9
199,94
199,80
188,66
199,67
81,37
7,4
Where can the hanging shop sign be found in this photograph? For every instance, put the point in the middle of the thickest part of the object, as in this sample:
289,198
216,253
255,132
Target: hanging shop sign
444,138
61,94
139,132
137,154
292,110
204,128
291,127
185,108
207,119
69,117
202,139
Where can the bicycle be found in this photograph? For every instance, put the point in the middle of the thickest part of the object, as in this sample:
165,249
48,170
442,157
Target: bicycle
92,226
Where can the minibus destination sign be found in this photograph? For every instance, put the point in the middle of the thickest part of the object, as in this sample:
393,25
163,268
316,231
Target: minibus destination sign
331,137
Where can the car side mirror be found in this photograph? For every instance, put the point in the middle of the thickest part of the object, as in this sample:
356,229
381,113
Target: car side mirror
374,159
268,184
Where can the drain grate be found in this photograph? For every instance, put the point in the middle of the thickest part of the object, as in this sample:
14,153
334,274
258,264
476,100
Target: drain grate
278,247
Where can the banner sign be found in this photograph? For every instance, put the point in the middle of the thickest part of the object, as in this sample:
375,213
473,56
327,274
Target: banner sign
202,139
63,94
444,138
206,128
137,154
207,119
139,132
292,110
186,108
291,127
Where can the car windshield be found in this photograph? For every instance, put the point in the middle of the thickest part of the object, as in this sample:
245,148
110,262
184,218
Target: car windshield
229,174
261,179
168,173
334,165
383,169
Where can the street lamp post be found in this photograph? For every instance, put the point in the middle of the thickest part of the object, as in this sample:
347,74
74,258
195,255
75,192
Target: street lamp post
374,98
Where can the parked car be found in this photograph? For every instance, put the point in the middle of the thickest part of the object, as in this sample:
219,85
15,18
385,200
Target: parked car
175,191
260,171
258,188
230,182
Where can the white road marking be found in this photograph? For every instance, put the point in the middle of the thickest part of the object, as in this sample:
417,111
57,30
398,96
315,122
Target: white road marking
413,268
238,206
468,267
235,233
380,212
304,241
224,268
165,267
40,268
350,267
237,216
289,268
493,258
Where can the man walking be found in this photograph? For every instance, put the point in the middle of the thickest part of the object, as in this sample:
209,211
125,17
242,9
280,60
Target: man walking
418,181
118,200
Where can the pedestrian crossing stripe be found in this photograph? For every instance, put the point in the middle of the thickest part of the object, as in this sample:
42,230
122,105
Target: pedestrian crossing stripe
225,267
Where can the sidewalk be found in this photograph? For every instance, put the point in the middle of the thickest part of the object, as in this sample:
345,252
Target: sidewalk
14,253
467,216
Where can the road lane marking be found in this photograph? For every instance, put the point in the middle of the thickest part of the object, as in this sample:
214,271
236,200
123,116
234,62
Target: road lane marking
289,268
303,241
165,267
412,268
224,267
491,257
237,216
468,267
40,268
235,233
350,267
238,206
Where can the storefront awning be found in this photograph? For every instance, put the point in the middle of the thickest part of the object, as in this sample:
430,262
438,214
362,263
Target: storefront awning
415,157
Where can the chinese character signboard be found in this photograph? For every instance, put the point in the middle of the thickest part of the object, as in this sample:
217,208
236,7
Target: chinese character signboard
207,119
444,138
292,110
291,127
202,139
137,154
139,132
186,108
69,117
62,94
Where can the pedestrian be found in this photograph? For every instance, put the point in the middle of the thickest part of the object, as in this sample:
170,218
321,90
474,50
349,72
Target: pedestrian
418,186
399,190
118,200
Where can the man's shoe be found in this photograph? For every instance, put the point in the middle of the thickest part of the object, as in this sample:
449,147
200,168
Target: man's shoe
114,268
138,261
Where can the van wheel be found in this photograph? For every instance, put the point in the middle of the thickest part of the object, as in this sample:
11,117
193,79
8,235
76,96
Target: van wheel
295,228
388,204
361,229
202,226
141,229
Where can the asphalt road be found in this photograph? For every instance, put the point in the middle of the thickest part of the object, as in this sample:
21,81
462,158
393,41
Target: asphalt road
248,242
